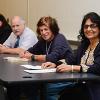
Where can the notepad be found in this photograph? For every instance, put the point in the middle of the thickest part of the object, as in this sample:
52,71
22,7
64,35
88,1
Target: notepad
32,67
15,59
41,70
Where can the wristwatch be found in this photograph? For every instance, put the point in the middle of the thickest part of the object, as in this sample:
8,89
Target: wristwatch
33,58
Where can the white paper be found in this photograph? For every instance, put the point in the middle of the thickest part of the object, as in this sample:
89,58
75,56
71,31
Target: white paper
15,59
32,67
41,70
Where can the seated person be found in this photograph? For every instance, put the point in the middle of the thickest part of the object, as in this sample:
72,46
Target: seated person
88,54
20,39
5,29
52,46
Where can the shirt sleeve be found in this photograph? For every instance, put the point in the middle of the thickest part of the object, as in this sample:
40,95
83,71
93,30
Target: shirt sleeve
36,49
95,68
10,41
27,41
60,48
84,68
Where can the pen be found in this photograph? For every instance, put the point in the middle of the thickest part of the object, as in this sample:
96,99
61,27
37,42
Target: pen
27,76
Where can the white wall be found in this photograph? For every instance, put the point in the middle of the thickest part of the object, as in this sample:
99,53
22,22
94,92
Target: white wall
69,13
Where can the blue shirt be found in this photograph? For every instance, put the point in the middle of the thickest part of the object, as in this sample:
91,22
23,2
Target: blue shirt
27,39
58,49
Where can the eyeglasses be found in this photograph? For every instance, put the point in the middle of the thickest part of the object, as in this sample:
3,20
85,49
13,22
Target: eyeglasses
92,26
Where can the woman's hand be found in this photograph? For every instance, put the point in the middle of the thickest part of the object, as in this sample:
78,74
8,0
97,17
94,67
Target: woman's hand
64,68
68,68
48,65
25,54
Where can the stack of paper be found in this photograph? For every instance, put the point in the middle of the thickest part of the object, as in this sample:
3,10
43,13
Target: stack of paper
38,69
15,59
31,67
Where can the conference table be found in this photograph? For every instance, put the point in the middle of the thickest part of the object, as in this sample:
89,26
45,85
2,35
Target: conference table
12,73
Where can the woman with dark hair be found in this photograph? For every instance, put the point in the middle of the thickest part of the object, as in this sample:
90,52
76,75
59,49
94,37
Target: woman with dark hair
52,46
5,29
88,53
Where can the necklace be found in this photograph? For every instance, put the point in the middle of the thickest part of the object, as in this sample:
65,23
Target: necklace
88,58
48,47
91,47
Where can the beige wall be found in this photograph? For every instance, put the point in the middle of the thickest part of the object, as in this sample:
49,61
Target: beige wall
2,8
68,13
14,7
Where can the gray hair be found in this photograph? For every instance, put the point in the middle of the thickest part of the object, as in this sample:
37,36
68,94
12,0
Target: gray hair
19,18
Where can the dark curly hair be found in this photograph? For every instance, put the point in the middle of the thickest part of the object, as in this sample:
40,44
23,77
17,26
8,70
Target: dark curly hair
95,18
50,22
3,20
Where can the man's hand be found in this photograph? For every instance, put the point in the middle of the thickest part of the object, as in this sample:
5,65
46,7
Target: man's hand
2,48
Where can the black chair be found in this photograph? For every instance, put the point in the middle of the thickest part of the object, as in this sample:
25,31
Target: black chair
3,93
78,92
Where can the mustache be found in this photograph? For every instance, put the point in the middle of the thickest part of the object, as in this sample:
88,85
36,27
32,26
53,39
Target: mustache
16,31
